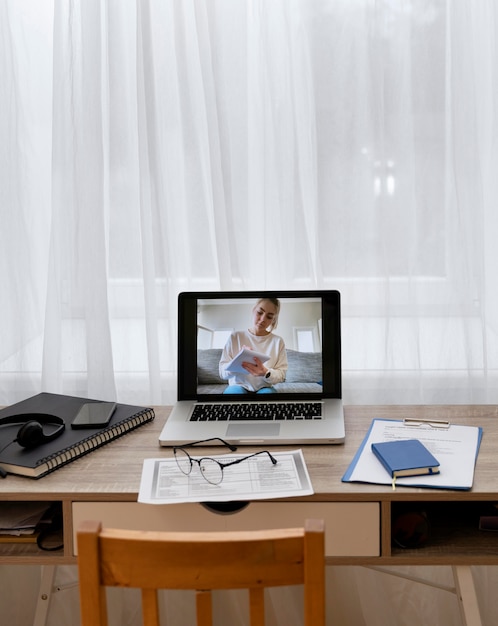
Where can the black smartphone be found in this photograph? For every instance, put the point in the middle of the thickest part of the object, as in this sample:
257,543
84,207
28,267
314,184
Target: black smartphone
94,415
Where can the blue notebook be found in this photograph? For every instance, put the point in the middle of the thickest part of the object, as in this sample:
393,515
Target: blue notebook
405,457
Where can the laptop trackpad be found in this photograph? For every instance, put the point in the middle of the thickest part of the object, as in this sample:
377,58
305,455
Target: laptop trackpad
253,430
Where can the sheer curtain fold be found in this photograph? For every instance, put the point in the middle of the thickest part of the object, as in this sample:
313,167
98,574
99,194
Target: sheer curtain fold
77,325
471,188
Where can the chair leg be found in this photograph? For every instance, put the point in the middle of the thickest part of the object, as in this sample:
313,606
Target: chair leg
204,606
150,607
257,606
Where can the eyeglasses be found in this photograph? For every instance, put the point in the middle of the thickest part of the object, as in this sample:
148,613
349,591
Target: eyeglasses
211,469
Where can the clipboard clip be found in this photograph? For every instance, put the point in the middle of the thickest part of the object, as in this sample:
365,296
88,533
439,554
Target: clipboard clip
416,422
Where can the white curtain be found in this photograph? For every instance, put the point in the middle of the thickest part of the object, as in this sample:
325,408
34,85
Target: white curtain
150,147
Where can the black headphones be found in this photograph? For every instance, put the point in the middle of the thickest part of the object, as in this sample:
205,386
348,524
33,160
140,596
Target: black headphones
31,434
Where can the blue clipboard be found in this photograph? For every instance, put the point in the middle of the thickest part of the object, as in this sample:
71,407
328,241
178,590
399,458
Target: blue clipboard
347,477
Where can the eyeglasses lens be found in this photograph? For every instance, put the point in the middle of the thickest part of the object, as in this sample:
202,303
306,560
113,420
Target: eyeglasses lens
183,461
212,471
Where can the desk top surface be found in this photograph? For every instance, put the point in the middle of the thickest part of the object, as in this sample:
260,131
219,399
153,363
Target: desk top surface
113,472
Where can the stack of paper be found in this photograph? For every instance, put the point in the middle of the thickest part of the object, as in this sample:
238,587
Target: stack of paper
255,478
19,520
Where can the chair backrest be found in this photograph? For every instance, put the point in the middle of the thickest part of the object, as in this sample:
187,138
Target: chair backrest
201,561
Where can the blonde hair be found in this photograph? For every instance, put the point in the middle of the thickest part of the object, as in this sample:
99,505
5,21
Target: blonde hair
276,304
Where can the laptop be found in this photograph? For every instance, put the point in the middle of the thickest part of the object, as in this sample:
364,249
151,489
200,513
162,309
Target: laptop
292,398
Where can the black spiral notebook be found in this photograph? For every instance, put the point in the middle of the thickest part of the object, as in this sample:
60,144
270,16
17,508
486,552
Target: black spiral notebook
71,444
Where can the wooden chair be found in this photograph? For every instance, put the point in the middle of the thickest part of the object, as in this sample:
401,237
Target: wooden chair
203,561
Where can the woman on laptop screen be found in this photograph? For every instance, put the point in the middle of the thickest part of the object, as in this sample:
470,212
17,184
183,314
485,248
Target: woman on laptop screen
254,360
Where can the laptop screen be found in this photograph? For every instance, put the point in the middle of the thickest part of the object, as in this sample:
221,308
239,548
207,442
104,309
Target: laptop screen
296,334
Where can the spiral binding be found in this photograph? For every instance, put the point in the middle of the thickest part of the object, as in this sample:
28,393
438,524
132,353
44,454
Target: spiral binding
57,459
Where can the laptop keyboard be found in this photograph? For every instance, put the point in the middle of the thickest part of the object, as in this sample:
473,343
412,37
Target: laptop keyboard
269,411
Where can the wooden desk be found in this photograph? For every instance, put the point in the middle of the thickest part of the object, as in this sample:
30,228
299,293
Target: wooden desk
112,475
105,483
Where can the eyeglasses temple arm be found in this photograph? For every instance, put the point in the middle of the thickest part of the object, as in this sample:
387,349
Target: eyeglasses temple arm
225,443
244,458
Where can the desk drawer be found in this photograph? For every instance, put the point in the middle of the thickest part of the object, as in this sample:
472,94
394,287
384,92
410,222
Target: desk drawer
352,528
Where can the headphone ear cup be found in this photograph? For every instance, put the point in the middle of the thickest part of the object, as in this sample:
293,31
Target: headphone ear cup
30,434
